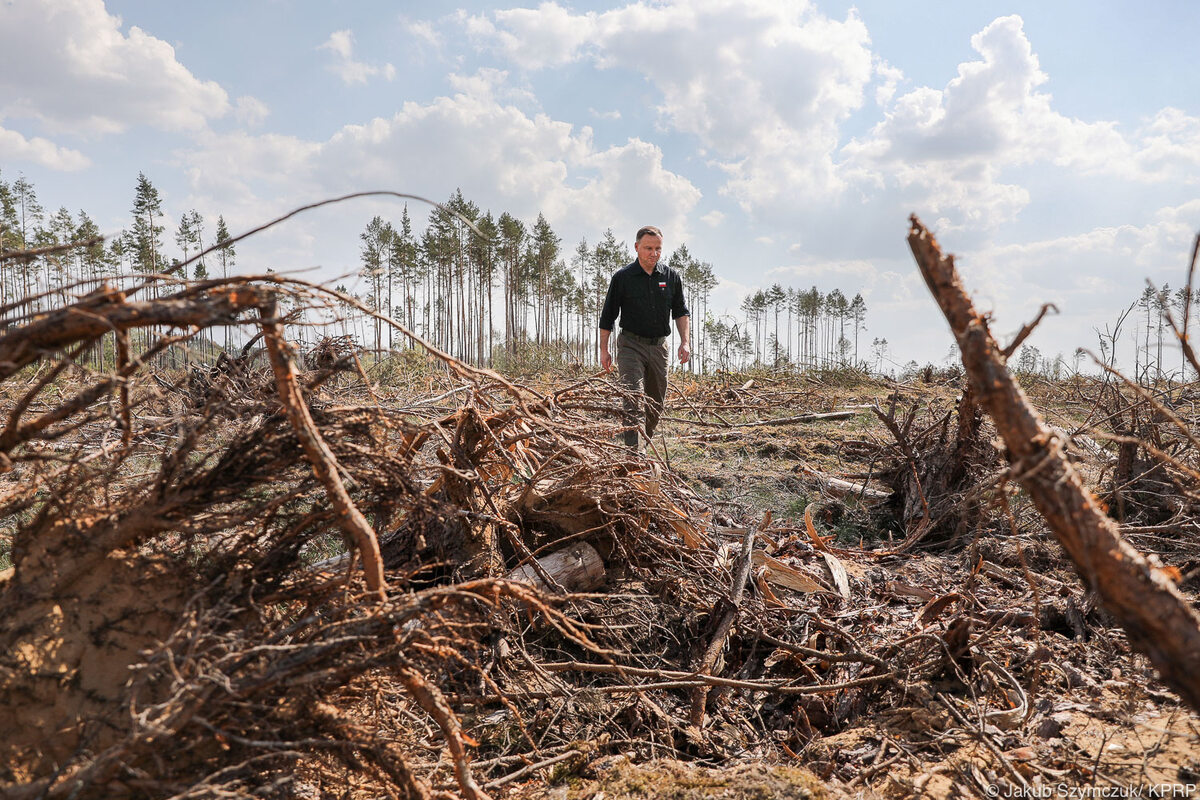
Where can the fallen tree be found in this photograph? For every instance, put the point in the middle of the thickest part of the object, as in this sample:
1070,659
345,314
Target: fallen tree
1144,600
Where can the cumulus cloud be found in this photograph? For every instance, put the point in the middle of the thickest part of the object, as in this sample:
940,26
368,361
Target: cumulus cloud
547,36
992,110
763,85
949,150
1170,146
67,64
423,32
341,45
501,158
251,112
41,151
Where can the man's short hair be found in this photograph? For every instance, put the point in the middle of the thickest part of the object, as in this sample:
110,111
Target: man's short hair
647,230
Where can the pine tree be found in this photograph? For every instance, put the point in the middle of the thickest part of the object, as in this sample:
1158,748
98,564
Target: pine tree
858,314
94,259
404,265
376,242
227,255
184,236
512,247
484,257
544,249
29,215
145,241
197,225
58,265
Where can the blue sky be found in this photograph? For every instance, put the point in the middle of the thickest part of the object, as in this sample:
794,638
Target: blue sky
1054,145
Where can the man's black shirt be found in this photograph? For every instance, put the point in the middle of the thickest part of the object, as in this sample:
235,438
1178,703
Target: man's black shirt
645,303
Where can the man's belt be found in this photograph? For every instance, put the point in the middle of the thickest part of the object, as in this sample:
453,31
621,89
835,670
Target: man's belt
655,340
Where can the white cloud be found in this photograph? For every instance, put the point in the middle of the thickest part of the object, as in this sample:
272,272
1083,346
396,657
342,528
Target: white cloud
41,151
949,151
608,115
423,32
251,112
491,85
763,85
547,36
67,64
501,158
713,218
992,111
1170,146
341,45
889,79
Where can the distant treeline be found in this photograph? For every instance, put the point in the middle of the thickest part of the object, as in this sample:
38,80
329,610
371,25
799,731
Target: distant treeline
491,290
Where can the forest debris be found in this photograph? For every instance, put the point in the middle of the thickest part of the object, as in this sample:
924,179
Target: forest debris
577,568
811,530
264,677
908,590
781,574
434,704
837,571
1158,620
323,461
838,487
729,608
934,608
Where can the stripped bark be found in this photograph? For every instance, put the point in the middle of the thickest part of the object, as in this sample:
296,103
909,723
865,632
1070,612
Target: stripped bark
1157,618
324,464
730,607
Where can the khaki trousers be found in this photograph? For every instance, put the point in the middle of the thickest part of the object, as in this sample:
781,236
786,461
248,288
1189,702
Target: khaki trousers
642,367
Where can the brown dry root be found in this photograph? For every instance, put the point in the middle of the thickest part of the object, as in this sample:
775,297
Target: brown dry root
942,458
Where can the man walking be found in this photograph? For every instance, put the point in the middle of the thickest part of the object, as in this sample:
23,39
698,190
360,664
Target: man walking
646,295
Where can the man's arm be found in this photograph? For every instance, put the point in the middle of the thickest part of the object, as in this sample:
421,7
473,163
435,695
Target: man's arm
608,317
684,325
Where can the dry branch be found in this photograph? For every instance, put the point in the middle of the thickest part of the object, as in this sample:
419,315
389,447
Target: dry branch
1158,620
729,607
107,311
324,464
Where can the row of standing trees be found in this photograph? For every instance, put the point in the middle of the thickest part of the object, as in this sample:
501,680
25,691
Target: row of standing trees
484,288
25,224
826,327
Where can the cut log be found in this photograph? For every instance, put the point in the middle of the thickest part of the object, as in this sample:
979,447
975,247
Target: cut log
840,488
1158,620
577,568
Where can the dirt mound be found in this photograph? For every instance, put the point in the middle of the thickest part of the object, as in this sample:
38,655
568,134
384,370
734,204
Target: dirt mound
69,675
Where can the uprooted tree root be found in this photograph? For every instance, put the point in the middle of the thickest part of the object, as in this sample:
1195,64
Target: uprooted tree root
195,610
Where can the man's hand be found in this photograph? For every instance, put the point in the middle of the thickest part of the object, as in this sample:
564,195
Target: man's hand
685,352
606,359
